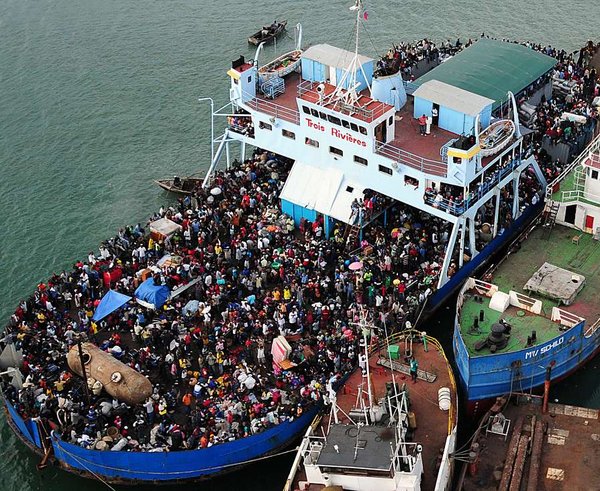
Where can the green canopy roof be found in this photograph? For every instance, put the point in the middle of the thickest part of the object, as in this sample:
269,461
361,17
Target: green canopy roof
490,68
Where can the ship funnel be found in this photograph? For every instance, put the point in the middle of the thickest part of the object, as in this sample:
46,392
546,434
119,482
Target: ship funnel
390,90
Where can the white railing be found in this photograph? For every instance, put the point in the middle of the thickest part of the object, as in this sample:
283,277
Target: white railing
378,108
403,157
578,195
593,147
592,329
565,318
484,288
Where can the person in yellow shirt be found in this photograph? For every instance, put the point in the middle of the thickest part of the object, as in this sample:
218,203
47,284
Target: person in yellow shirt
276,295
287,293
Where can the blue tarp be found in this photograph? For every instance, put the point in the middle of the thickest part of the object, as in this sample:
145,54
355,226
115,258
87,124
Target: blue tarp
109,303
150,293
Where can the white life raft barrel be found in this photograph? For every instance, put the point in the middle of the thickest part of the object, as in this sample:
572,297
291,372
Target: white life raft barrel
444,398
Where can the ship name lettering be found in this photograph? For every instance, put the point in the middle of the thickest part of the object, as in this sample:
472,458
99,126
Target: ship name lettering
348,137
544,349
315,126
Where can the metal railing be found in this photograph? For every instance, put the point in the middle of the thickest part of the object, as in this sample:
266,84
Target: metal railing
578,195
458,207
592,148
403,157
275,110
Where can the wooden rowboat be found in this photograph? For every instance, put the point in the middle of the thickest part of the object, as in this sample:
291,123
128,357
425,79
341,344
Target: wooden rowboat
183,185
496,136
267,34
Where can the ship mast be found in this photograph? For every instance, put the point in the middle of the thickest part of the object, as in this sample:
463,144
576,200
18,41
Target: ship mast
349,78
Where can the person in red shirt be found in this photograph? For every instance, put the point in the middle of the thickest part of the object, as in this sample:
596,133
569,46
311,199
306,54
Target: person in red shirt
423,124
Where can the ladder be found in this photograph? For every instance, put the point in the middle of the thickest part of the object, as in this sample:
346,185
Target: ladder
550,213
351,236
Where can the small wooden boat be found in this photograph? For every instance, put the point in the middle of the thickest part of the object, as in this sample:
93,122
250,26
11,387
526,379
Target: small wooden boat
267,33
281,66
496,136
180,185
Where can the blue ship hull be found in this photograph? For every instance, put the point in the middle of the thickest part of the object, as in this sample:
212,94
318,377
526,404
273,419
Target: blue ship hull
470,268
488,376
162,467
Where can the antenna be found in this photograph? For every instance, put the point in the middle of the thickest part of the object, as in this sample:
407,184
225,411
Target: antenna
349,78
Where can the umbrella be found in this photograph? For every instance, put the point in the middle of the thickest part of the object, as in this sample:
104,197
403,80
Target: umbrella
216,191
355,266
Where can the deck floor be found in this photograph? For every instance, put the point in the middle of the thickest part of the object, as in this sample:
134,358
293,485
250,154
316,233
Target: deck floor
522,324
570,450
407,134
557,249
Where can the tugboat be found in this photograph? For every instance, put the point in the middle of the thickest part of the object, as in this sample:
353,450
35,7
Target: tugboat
383,431
537,313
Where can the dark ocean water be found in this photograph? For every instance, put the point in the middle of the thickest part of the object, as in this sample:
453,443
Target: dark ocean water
99,97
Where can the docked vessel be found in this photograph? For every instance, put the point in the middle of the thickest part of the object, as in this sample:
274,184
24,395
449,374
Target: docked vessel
361,126
537,312
384,432
523,443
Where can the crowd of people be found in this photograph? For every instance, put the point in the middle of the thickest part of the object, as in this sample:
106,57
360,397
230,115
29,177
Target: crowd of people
241,123
211,366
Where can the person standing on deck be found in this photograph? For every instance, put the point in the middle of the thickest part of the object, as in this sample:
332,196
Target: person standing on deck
422,124
434,116
414,368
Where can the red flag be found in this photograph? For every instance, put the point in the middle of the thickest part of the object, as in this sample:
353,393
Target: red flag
366,15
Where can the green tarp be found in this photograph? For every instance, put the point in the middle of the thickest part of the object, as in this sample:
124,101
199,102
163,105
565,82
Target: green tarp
490,68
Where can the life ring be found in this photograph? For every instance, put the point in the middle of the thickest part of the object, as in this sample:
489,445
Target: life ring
116,377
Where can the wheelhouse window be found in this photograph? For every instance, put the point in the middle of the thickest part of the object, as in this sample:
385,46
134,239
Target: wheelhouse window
334,120
360,160
306,110
363,130
265,126
336,151
288,134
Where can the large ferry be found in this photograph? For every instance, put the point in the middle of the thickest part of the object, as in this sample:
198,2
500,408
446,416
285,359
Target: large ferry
536,317
447,147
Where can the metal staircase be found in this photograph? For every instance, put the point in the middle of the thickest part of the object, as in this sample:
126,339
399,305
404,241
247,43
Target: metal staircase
550,212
